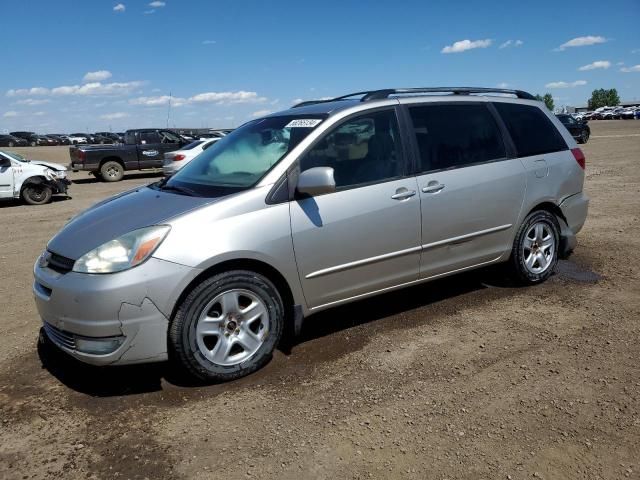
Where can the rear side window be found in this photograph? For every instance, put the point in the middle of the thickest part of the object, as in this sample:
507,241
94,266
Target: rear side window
530,129
456,135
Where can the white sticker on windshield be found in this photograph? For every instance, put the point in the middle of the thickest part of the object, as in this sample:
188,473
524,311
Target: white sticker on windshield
303,123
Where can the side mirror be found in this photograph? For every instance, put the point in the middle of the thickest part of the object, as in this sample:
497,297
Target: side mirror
5,162
316,181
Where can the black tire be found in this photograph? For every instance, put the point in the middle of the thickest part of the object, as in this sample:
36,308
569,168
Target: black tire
182,338
584,137
111,171
517,267
36,194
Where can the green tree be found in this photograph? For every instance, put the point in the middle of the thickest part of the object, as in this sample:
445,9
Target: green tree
603,98
547,99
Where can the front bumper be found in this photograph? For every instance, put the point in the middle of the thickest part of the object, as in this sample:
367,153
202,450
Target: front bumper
133,305
61,185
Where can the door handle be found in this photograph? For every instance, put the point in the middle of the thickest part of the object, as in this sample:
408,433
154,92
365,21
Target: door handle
433,187
403,194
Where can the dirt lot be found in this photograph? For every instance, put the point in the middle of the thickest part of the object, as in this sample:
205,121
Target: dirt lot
460,378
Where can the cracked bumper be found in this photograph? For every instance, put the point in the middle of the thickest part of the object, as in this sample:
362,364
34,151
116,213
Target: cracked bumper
135,304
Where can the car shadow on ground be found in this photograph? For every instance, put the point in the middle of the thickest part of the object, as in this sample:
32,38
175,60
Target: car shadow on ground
127,176
17,202
135,379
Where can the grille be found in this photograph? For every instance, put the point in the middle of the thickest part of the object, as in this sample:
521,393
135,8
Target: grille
60,264
60,337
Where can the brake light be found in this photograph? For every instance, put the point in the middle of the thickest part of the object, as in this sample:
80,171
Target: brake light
80,155
579,156
177,158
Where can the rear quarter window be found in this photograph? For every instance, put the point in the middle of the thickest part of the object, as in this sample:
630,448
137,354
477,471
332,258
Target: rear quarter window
530,129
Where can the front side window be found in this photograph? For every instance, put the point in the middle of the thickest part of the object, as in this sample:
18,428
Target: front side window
360,151
149,137
532,132
239,160
455,135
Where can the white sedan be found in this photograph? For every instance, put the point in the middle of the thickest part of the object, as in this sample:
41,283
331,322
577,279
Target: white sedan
174,161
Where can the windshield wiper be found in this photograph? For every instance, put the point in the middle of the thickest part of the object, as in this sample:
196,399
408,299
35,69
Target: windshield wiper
174,188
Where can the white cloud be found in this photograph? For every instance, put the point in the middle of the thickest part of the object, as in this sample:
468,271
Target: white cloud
157,4
114,116
635,68
511,43
159,101
260,113
23,92
582,42
208,42
595,65
635,50
227,97
97,76
149,12
10,113
92,88
119,8
40,114
503,85
577,83
464,45
32,101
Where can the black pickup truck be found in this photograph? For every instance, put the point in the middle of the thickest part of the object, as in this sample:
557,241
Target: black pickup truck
142,149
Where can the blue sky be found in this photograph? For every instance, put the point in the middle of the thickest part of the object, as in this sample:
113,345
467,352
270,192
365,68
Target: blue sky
94,65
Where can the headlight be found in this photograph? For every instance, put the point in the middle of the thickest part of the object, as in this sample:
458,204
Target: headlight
127,251
49,174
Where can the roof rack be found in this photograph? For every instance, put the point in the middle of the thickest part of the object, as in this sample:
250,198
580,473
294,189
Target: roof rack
385,93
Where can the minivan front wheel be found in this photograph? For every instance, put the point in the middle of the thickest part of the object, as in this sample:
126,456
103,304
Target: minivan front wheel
228,326
535,250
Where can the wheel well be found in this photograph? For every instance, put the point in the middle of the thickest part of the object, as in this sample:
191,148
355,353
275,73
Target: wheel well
32,180
111,159
256,266
551,208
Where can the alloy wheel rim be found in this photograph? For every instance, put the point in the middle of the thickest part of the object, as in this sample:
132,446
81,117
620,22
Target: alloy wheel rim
232,327
538,248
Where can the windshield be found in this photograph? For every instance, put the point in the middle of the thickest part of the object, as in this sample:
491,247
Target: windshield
15,156
239,160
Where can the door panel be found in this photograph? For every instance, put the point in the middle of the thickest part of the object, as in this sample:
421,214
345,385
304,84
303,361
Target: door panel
472,218
6,181
356,241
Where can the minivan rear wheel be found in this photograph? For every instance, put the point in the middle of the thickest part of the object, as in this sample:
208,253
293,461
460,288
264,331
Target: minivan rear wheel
535,250
227,327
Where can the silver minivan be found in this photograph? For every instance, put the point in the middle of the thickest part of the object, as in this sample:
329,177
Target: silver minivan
326,203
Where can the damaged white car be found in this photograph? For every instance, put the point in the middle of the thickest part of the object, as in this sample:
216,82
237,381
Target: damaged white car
32,180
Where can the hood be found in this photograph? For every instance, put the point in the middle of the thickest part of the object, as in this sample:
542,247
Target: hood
51,165
121,214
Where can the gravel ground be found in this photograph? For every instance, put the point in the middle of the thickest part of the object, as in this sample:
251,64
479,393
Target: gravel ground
460,378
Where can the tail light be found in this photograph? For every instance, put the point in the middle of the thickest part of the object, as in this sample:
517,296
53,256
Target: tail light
80,155
177,158
579,156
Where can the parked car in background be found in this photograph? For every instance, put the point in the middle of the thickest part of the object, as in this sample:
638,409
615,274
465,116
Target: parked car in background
11,141
578,129
99,139
174,161
61,139
87,138
612,114
44,141
30,137
291,214
142,149
32,180
628,113
78,139
112,137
